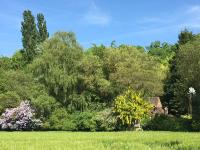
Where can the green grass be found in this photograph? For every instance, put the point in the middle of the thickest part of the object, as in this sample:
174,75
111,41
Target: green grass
99,141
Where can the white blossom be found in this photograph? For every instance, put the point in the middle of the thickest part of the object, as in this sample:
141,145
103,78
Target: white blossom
192,90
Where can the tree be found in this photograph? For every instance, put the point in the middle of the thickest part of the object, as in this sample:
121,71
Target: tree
171,84
163,51
175,88
185,36
29,35
18,61
132,67
130,107
5,63
42,28
188,68
92,83
57,66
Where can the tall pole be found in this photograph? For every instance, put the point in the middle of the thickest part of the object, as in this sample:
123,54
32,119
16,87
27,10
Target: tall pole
191,93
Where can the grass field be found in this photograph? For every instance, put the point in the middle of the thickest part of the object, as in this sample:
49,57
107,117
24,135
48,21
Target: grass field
99,141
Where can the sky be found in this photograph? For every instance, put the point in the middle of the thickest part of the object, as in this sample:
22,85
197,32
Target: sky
133,22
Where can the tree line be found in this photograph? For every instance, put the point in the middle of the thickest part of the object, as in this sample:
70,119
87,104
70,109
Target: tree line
71,88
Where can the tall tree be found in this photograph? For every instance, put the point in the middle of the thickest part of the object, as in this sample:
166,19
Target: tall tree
188,67
174,87
170,86
42,28
57,67
29,35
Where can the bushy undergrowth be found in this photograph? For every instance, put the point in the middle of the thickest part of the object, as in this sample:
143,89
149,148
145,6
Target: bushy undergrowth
196,125
81,121
106,121
167,123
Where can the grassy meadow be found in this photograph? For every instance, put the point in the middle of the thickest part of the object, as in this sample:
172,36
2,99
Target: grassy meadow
99,141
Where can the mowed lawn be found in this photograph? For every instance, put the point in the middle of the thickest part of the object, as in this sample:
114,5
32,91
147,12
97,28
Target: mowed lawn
99,141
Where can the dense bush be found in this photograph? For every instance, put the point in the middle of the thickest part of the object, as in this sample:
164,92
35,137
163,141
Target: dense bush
105,120
44,105
19,118
168,123
60,120
196,125
85,121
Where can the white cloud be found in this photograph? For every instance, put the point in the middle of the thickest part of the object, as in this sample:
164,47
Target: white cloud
194,9
96,16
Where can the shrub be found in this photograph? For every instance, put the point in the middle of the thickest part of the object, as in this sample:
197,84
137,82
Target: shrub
196,125
85,121
19,118
131,108
60,120
168,123
44,105
105,120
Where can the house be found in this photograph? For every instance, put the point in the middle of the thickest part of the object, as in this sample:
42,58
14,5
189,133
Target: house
157,106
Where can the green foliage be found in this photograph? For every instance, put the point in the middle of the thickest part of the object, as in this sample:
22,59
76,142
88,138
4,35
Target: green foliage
196,125
60,120
85,121
175,89
131,108
126,66
168,123
29,35
163,51
188,69
106,120
185,36
57,66
45,105
5,63
132,67
196,107
171,85
9,99
18,61
189,56
92,83
16,86
74,89
42,28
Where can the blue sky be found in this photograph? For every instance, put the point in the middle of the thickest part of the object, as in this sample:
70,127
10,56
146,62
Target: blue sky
135,22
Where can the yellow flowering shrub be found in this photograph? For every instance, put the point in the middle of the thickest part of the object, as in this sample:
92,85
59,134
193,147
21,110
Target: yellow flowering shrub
131,107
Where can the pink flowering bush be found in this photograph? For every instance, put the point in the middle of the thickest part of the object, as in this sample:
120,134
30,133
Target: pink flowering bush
19,118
